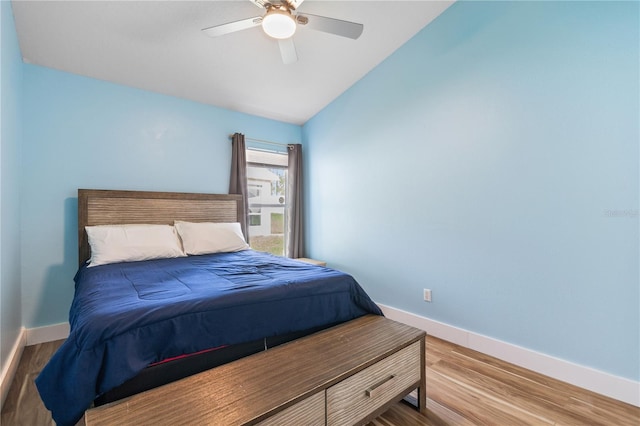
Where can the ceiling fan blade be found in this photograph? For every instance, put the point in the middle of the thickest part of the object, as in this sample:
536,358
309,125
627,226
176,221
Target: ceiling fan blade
330,25
260,3
288,51
232,27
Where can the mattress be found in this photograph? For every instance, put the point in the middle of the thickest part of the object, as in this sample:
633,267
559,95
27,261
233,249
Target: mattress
127,316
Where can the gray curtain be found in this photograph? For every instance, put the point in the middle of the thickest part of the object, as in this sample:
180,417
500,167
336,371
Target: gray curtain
238,180
295,234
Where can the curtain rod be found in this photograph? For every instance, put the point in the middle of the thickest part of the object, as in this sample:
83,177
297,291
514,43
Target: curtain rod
263,141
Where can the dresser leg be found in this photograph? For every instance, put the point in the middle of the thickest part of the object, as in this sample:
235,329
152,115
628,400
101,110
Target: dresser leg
422,390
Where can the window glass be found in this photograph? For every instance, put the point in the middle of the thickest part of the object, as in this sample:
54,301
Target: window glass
267,184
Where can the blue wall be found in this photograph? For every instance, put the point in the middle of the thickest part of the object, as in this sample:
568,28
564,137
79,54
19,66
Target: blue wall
494,159
10,126
85,133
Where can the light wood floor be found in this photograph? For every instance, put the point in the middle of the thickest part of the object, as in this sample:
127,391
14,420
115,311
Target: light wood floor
463,388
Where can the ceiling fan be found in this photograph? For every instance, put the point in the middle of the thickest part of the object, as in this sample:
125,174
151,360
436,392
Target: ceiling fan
280,22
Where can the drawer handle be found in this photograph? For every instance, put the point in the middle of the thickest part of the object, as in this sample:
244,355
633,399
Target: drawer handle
379,387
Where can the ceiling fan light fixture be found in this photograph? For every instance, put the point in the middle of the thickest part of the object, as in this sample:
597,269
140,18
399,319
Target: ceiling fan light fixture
279,23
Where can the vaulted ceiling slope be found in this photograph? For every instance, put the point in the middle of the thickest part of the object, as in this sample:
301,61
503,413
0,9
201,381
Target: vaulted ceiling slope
159,46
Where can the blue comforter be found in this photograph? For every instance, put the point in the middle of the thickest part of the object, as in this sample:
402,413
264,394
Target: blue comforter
126,316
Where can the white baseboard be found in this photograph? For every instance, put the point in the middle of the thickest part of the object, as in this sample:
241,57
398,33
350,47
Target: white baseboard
615,387
47,333
10,365
27,337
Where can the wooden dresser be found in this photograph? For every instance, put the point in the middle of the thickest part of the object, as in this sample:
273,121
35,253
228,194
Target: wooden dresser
346,375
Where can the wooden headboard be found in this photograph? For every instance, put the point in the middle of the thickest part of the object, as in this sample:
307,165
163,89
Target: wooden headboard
106,207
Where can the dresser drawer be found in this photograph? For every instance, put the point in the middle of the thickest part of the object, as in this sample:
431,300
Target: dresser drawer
308,412
351,400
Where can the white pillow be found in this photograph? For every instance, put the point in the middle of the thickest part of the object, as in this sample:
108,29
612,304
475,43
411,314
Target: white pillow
128,243
209,237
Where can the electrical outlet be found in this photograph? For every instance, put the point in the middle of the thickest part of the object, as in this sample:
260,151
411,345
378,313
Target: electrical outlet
427,295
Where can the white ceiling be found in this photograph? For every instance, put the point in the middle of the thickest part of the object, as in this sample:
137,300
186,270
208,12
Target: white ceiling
159,46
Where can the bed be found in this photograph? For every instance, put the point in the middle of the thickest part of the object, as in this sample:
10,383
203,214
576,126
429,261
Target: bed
139,324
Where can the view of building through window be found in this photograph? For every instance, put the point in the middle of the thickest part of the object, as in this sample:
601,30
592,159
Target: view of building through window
267,185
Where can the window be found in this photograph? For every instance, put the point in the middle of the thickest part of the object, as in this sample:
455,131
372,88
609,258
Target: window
267,184
254,190
255,216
